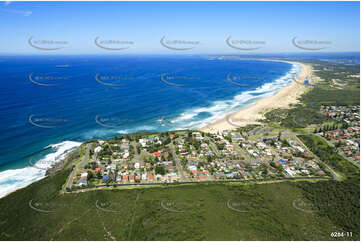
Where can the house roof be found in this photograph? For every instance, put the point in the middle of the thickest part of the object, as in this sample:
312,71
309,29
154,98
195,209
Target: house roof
156,154
82,181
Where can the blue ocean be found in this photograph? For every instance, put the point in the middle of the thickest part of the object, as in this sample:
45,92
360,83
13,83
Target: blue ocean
51,104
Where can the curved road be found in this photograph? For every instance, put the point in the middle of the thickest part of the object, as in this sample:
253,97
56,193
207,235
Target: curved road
80,164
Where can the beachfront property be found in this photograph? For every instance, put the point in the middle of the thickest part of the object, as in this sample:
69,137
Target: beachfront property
252,152
186,156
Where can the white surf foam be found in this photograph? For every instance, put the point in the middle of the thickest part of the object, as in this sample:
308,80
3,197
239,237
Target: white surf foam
13,179
138,129
220,109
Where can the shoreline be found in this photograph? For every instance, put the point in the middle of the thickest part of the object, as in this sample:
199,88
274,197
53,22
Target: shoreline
283,98
250,114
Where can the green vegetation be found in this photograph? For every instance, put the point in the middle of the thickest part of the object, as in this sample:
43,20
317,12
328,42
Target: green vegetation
297,117
324,93
269,211
339,201
141,214
18,221
329,155
247,128
336,97
342,198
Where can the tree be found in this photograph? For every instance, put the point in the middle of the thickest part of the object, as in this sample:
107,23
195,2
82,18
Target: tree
90,175
99,175
209,159
138,148
160,170
273,164
189,133
263,168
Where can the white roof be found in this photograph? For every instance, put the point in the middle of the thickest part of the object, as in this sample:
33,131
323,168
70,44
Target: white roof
192,168
289,171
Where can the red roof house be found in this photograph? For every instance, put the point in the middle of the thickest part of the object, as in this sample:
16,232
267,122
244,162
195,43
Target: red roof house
157,154
150,177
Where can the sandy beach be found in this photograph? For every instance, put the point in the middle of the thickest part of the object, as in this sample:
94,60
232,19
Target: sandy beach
282,99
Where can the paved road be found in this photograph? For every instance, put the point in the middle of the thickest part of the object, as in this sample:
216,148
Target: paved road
244,153
262,131
334,174
294,135
136,155
213,146
111,157
178,164
287,134
328,142
254,131
208,182
80,164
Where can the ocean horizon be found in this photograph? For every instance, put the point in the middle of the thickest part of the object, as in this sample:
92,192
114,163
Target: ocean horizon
52,104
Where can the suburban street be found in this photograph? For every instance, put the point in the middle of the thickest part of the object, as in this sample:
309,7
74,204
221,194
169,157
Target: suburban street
207,182
334,174
328,142
213,146
80,164
136,155
178,164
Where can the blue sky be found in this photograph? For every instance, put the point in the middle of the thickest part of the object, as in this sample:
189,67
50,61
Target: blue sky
209,24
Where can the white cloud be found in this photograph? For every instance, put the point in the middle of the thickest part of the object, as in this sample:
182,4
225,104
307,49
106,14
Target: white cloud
20,12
